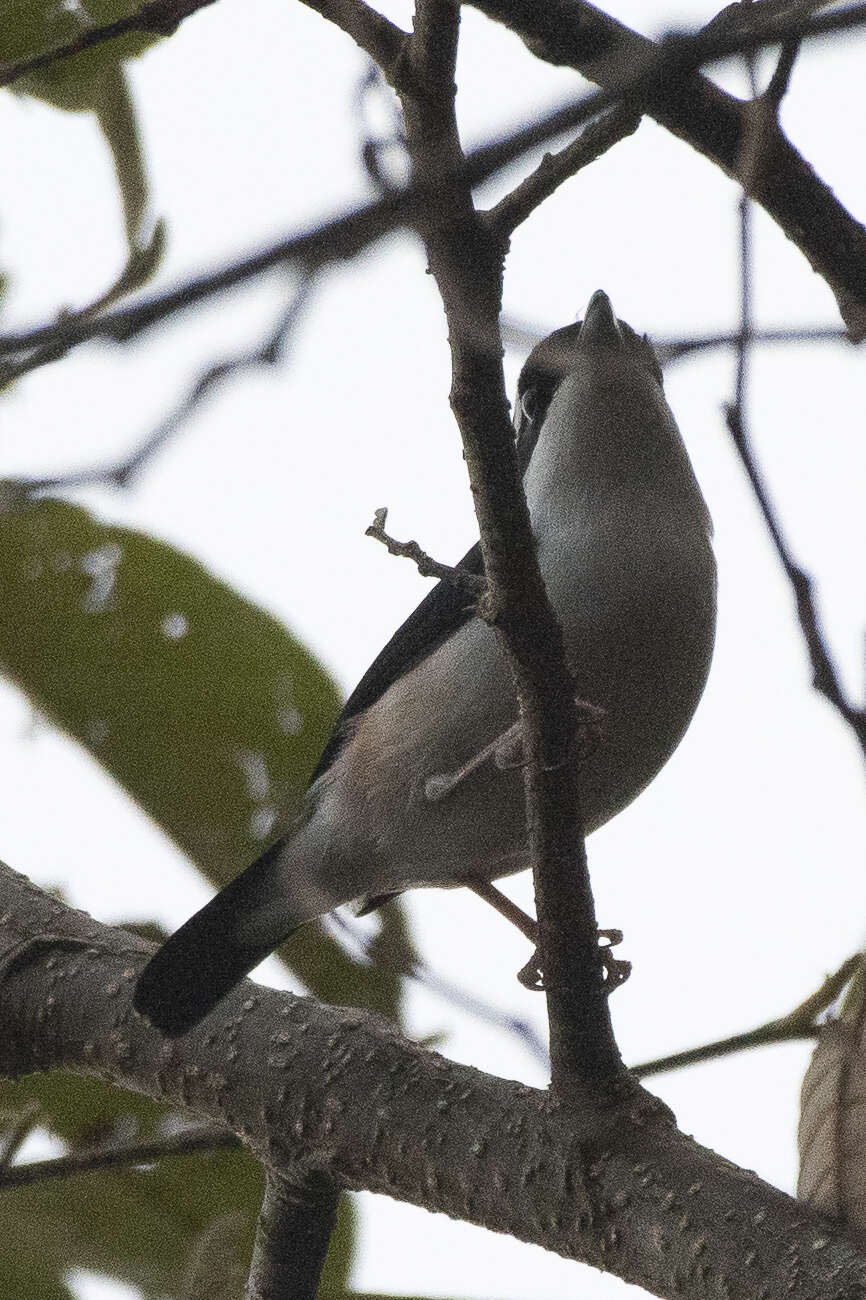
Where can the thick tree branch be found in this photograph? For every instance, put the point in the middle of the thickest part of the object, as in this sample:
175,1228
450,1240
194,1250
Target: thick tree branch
338,1091
577,35
842,259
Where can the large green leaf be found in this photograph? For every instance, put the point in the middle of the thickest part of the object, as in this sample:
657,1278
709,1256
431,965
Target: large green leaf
211,714
203,706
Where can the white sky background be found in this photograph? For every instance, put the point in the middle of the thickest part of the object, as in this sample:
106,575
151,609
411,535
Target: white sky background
738,877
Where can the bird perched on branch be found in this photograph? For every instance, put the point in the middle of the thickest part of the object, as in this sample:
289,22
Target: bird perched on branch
415,786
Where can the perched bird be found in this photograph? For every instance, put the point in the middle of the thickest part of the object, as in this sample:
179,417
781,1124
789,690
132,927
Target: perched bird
409,790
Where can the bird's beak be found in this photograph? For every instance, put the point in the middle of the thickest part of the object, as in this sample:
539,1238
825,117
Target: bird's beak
600,327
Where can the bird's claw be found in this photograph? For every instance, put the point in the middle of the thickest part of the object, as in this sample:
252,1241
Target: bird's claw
615,970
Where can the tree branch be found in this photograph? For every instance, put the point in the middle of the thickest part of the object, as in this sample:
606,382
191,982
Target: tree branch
555,168
121,473
339,1091
841,257
465,257
116,1155
295,1225
371,32
802,1022
577,35
459,576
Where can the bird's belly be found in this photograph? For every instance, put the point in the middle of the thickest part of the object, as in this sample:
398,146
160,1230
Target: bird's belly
641,653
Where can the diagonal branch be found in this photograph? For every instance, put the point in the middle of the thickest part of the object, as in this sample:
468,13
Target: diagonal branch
800,1023
820,226
555,168
580,36
339,1090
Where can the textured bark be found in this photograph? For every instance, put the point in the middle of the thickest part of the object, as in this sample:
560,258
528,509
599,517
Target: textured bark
341,1093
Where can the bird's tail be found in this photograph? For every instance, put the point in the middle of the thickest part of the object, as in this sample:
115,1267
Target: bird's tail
217,947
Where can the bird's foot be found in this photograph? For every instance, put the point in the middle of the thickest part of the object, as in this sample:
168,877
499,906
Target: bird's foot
616,971
506,752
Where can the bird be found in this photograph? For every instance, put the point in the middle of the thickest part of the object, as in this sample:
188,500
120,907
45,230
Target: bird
412,788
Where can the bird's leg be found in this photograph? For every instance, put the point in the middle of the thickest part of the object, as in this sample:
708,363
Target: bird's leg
504,906
500,750
531,976
506,752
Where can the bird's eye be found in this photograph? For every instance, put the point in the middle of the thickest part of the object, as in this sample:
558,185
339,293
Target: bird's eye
529,403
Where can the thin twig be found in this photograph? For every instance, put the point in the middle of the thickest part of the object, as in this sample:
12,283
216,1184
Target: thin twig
825,678
346,236
518,334
672,350
824,675
117,1154
427,566
121,473
594,140
800,1023
18,1132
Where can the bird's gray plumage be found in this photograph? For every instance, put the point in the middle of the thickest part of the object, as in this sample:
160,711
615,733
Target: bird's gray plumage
623,538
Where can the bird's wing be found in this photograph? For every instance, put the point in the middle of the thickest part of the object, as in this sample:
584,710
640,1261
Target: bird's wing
442,611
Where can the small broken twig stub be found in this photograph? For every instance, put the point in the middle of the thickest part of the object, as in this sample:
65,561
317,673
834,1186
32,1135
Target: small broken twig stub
428,567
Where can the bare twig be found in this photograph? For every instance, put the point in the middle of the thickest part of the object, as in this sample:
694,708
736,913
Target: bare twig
121,473
825,678
116,1155
802,1022
519,334
427,566
662,79
670,351
824,675
803,206
383,40
594,140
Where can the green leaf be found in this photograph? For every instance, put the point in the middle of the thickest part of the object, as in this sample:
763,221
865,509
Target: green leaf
211,715
32,27
204,707
92,81
201,705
